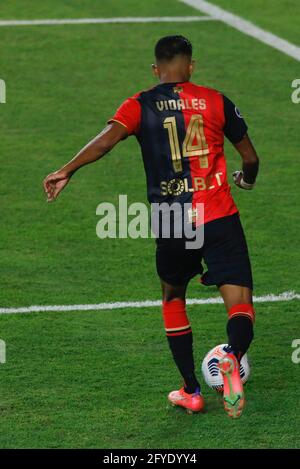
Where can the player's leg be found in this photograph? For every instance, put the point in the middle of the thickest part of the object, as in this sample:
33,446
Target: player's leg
241,316
226,256
179,333
180,339
175,267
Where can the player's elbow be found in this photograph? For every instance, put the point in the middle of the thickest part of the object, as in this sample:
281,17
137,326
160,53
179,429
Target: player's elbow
251,158
254,160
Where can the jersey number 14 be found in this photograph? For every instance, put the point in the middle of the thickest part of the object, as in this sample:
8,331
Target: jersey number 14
194,143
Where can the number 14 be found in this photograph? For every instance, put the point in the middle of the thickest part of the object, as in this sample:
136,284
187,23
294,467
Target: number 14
194,131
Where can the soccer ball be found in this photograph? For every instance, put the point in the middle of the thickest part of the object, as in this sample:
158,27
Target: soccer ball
210,370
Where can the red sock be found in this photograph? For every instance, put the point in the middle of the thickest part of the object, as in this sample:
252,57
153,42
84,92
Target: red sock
240,328
180,338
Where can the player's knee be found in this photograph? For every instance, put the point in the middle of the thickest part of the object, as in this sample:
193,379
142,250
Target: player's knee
171,293
235,295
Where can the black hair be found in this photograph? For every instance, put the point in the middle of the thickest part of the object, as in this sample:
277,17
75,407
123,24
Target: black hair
169,46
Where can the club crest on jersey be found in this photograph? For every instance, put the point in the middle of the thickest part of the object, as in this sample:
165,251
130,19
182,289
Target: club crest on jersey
178,89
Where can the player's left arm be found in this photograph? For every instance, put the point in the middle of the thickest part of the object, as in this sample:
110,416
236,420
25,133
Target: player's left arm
55,182
246,178
235,129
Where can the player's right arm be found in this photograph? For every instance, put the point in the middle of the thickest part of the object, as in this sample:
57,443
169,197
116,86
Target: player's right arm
125,122
55,182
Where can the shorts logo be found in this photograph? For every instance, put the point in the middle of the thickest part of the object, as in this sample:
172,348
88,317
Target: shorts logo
237,111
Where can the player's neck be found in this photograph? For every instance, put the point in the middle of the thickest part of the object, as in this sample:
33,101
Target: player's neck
173,78
165,82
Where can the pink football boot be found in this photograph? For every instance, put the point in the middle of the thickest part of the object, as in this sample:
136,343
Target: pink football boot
191,402
233,394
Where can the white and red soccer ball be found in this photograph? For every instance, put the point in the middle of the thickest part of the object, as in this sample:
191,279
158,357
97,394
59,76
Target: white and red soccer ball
210,370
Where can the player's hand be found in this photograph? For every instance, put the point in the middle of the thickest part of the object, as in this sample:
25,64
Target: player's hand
238,178
54,183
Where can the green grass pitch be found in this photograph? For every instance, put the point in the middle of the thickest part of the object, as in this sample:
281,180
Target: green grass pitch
100,379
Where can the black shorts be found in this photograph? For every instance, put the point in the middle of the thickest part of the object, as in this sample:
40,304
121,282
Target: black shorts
224,252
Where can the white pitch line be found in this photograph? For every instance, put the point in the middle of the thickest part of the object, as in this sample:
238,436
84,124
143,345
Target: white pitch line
246,27
285,296
128,19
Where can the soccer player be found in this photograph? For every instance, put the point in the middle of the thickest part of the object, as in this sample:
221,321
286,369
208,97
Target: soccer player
180,127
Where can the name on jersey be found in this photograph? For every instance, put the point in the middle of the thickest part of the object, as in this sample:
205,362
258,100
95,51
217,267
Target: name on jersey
177,186
181,104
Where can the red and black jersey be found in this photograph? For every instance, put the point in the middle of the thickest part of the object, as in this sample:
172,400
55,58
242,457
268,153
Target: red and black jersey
180,128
